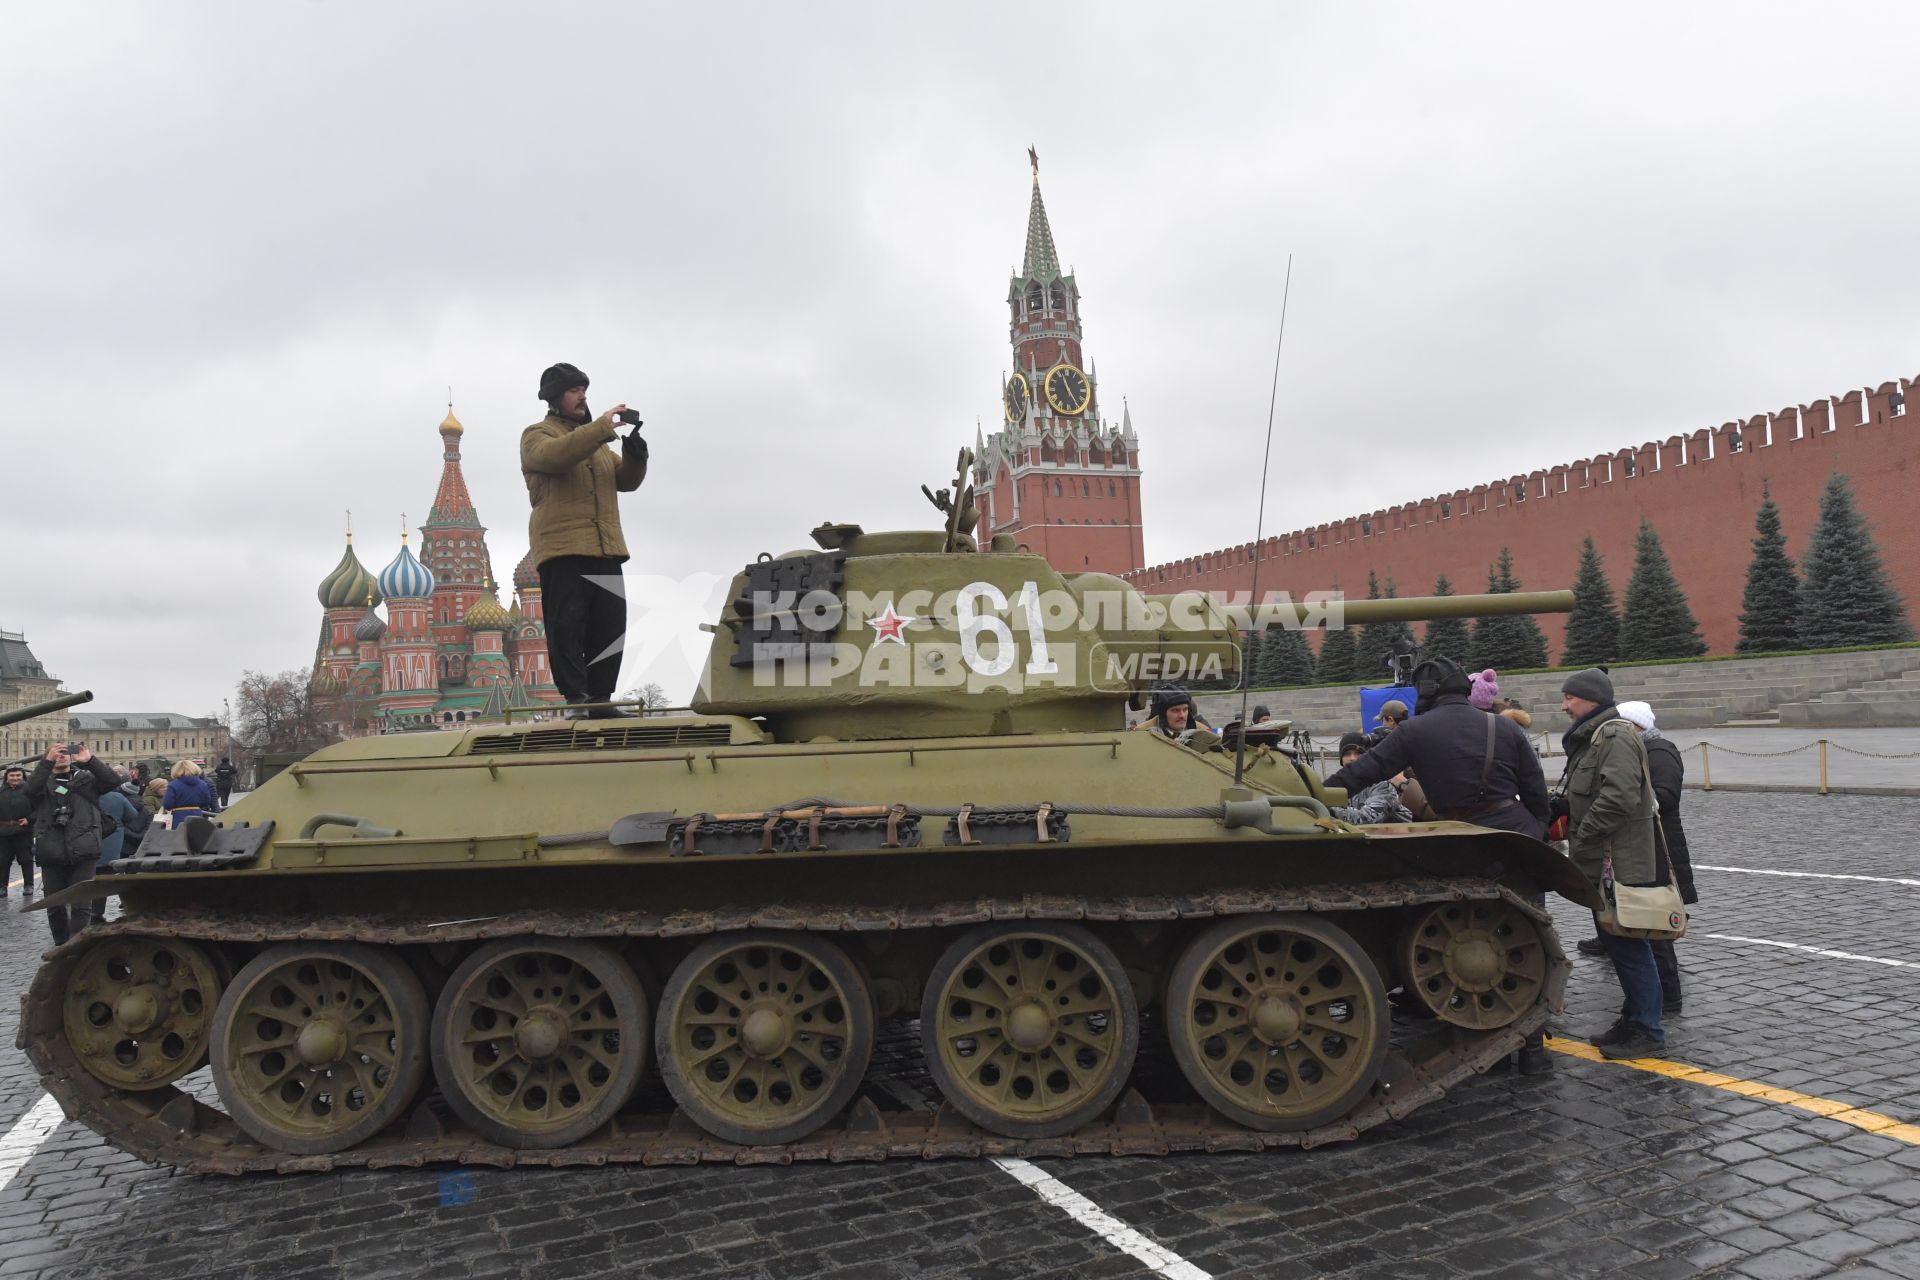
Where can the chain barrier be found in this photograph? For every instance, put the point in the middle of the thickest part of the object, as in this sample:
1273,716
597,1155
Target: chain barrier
1876,755
1756,755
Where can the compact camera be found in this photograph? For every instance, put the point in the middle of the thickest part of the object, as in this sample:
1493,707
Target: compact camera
628,418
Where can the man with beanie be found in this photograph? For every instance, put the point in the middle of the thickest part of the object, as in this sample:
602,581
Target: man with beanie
16,828
1377,803
574,481
1610,814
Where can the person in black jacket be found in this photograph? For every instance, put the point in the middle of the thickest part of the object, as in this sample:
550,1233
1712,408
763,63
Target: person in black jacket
1473,767
1669,773
16,829
68,826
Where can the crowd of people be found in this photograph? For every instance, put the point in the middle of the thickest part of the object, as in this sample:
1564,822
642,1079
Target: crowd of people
71,811
1462,753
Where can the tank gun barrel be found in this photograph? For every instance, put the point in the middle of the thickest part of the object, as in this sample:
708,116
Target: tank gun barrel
1426,608
61,703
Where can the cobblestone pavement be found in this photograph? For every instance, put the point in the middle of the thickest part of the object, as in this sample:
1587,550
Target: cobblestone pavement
1598,1169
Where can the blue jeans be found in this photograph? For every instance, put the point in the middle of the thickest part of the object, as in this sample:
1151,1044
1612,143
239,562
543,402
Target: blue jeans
1639,980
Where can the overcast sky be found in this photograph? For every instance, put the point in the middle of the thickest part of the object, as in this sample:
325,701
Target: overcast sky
245,248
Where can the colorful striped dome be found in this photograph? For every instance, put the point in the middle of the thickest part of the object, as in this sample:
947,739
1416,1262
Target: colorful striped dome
406,578
526,575
349,583
485,614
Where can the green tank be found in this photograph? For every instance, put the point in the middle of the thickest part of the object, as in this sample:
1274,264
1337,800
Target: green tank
904,805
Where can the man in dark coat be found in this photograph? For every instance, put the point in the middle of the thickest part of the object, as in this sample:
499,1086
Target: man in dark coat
1473,767
1610,818
1669,774
68,826
16,829
223,776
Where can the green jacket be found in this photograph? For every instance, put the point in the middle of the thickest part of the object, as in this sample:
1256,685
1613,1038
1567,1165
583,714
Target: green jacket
573,480
1610,804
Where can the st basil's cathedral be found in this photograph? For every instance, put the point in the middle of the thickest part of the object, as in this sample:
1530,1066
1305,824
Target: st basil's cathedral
447,651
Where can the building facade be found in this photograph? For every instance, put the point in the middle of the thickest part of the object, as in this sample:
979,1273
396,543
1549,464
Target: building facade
1057,476
1700,491
446,651
23,682
120,738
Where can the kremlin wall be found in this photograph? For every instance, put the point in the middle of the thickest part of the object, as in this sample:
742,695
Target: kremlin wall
1701,491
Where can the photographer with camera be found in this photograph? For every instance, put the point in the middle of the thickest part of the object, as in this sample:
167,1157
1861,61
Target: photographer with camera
574,481
68,826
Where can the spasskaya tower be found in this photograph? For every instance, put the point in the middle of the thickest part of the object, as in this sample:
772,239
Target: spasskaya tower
1056,475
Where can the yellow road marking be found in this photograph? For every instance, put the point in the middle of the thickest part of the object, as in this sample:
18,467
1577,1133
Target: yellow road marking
1827,1108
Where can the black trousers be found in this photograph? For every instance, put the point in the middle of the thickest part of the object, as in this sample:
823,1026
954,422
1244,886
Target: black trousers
1669,966
55,876
17,848
584,620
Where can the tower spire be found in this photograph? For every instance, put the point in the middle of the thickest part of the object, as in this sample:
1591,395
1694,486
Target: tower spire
1042,260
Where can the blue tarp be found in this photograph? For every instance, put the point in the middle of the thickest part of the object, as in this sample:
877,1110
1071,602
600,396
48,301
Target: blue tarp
1372,699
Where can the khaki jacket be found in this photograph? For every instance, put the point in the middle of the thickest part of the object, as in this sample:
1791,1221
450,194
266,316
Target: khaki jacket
1610,804
573,480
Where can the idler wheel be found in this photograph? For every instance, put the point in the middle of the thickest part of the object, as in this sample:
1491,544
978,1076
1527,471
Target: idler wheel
1278,1021
1478,965
138,1011
318,1046
763,1035
537,1042
1029,1030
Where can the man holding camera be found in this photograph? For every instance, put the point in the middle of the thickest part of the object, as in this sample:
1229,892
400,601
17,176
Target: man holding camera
68,825
574,481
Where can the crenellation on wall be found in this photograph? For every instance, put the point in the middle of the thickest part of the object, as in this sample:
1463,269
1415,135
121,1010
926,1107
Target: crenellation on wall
1699,490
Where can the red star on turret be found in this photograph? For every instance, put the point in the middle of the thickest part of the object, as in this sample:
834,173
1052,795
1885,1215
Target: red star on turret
889,625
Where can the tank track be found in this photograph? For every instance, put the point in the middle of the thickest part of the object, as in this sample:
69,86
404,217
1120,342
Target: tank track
169,1126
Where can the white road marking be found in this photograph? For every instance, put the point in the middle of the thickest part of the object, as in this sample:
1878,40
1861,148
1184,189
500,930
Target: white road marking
1163,1260
1809,875
1091,1216
1815,951
28,1132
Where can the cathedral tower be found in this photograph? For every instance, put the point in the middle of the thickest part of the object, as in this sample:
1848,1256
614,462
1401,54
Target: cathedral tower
1056,476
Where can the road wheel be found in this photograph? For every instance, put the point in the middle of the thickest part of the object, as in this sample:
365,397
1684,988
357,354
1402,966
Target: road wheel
319,1046
1277,1021
763,1036
1478,965
537,1042
139,1011
1029,1030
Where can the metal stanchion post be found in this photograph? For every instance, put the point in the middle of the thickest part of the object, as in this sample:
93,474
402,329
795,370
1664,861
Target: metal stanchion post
1706,769
1823,766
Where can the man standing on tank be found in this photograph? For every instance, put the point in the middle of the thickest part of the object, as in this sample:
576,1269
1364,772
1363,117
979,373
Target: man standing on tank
574,481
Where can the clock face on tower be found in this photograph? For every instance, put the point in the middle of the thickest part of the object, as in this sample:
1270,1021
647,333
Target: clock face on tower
1067,389
1016,398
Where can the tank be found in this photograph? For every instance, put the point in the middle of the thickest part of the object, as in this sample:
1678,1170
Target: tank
905,805
14,715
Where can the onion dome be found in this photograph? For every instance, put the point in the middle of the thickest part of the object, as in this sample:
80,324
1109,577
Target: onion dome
406,578
451,426
349,583
371,625
323,684
526,575
485,614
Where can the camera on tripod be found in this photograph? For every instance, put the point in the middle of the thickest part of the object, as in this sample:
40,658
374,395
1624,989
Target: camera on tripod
1404,657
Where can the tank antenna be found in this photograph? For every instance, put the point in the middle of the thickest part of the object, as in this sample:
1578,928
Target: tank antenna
1260,523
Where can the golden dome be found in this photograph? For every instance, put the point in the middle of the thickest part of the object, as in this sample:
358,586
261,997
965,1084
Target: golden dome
485,614
451,425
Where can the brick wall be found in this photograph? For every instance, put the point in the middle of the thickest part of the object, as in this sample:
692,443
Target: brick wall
1698,490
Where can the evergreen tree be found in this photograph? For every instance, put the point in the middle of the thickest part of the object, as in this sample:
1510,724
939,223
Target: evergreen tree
1657,622
1250,645
1286,658
1448,637
1593,628
1370,641
1847,598
1336,657
1770,607
1509,641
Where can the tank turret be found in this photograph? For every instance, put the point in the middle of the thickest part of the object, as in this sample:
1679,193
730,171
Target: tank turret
918,634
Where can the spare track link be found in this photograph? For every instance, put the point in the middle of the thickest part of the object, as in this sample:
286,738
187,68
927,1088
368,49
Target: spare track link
167,1126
